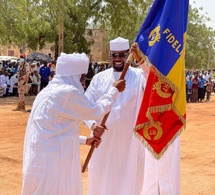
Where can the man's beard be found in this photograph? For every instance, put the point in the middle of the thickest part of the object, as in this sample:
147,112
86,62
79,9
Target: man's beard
118,69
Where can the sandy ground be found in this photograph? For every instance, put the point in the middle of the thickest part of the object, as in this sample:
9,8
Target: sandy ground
197,148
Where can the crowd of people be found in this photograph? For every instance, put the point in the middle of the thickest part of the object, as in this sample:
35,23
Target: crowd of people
25,78
39,75
199,85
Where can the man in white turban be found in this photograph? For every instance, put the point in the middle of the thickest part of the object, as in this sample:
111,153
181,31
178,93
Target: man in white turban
116,167
51,163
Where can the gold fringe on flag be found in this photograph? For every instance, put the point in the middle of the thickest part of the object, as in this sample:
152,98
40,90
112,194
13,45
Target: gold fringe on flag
162,108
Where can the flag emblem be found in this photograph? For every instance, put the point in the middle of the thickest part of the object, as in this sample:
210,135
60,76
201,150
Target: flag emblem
154,36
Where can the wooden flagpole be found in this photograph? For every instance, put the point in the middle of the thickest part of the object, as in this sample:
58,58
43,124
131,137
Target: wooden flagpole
128,62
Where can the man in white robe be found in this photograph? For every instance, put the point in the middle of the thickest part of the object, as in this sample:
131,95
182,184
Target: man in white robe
51,162
162,177
116,167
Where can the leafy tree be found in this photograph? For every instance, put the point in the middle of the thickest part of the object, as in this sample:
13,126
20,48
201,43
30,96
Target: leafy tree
11,17
200,40
32,23
76,21
122,18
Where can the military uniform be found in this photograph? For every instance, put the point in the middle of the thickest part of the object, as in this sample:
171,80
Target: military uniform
23,76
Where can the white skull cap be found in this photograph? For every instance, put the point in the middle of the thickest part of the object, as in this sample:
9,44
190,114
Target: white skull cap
72,64
119,44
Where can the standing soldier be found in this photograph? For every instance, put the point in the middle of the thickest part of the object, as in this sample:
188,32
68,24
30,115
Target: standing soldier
23,75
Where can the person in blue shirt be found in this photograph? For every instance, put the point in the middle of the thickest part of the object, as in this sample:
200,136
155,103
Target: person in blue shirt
189,84
201,82
15,68
44,73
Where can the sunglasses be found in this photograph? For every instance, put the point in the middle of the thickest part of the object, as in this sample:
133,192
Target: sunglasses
121,55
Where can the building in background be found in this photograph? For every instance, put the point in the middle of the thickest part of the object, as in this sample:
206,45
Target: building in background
11,50
99,50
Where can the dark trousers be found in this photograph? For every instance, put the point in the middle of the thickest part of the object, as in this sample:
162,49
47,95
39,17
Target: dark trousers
200,94
43,84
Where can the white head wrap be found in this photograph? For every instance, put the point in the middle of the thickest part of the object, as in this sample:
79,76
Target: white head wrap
72,64
119,44
71,80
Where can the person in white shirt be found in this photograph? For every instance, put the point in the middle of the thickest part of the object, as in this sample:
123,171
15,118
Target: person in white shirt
4,82
34,84
51,162
13,84
33,66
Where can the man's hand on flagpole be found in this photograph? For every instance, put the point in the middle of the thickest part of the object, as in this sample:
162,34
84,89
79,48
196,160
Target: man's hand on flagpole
95,141
137,53
140,57
98,130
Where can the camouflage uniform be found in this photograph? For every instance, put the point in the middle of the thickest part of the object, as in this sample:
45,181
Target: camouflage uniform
23,76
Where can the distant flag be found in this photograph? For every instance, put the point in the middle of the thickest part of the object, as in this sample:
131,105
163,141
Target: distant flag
161,39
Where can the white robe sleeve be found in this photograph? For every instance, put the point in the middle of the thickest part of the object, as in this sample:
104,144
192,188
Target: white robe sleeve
82,140
89,123
92,96
79,107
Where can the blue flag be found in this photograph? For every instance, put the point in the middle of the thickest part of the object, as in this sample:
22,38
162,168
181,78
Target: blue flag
162,40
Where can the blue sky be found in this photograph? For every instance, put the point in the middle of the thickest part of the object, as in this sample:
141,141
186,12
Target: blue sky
208,7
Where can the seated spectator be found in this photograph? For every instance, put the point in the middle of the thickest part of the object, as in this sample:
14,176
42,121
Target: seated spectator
28,86
33,66
33,83
13,89
4,82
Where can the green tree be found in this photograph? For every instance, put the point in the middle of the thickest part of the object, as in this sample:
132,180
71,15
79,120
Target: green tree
122,18
200,40
33,23
11,20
